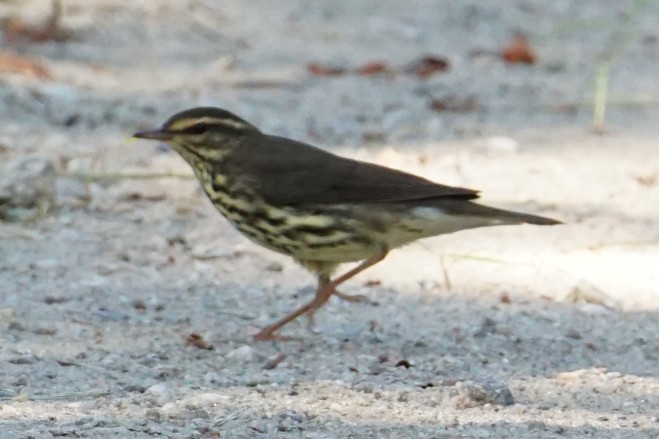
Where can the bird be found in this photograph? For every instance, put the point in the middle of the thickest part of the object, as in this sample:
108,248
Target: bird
317,207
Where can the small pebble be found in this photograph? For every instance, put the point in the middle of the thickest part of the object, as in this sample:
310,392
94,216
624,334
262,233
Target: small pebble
152,414
161,393
574,334
170,410
274,267
536,425
243,354
486,392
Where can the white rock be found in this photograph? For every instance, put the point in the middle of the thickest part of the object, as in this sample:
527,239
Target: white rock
161,393
170,410
244,354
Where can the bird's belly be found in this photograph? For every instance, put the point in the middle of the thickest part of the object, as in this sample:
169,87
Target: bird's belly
306,243
300,234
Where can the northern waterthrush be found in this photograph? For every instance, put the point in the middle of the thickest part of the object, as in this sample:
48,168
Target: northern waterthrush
317,207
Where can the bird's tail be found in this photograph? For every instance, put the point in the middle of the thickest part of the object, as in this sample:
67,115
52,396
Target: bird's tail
496,216
528,218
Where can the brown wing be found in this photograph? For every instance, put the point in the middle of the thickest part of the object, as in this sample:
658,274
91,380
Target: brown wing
294,173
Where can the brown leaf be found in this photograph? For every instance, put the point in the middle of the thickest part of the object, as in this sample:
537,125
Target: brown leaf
50,300
66,363
373,283
453,104
519,50
137,196
324,70
139,305
373,68
10,63
427,66
197,341
45,331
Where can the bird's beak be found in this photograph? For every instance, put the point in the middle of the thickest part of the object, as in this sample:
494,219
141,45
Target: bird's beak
159,134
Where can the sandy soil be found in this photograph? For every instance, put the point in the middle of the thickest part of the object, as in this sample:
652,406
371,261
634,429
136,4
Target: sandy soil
127,304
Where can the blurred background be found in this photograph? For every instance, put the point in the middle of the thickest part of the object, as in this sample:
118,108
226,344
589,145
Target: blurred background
333,72
109,250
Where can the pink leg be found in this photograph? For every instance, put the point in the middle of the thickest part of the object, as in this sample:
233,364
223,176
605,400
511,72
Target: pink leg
325,290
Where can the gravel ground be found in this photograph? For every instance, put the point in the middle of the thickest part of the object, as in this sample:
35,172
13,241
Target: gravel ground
127,304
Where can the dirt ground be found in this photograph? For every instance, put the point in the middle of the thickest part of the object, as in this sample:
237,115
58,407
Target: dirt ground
127,303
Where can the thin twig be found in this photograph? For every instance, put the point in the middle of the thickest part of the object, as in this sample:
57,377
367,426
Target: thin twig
601,97
619,41
447,278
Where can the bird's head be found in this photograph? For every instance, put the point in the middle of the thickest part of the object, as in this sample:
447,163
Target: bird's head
206,133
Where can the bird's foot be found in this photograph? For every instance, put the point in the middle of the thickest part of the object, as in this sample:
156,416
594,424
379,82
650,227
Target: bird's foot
270,334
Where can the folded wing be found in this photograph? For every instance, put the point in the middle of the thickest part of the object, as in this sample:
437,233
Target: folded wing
293,173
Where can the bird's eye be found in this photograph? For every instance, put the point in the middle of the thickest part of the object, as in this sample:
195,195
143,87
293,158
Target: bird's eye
198,128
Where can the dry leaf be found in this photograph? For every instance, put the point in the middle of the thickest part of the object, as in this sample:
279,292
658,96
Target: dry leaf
373,68
322,70
50,300
137,196
519,50
66,363
423,68
450,103
428,66
197,341
45,331
139,305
